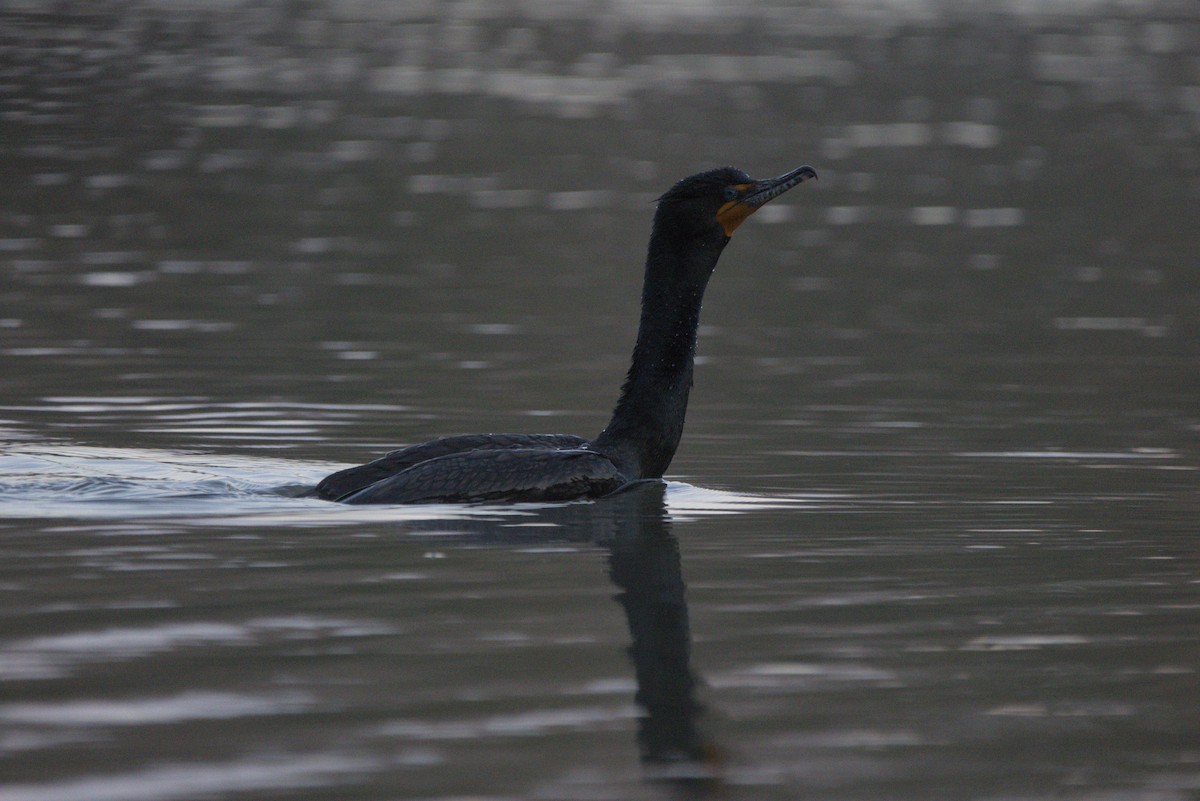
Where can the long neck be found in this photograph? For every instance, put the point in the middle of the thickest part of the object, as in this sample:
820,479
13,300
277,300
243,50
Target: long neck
648,420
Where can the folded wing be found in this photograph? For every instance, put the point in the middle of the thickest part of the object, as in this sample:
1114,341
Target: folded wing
525,474
337,486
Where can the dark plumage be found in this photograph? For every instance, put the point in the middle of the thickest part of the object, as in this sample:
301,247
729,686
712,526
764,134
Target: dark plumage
692,225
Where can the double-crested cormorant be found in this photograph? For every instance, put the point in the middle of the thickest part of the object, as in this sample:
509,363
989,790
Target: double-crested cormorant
692,225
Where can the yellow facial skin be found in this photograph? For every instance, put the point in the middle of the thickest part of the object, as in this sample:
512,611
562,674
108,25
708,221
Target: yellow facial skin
735,212
750,197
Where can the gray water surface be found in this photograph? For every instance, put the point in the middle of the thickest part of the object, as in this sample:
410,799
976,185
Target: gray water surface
930,533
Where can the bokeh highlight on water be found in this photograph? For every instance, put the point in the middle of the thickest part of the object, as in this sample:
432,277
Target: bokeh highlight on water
931,531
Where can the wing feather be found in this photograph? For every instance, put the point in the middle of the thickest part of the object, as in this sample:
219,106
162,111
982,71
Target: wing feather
526,474
345,482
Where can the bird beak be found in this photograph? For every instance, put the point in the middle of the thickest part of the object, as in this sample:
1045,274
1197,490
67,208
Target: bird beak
755,195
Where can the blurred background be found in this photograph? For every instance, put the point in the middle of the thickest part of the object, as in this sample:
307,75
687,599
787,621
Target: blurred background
954,380
444,207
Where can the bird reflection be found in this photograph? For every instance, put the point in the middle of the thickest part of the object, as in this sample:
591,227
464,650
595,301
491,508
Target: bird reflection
644,563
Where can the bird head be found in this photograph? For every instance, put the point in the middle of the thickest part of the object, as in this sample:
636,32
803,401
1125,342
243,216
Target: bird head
718,201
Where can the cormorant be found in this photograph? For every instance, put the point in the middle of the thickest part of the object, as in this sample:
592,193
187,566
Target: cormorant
692,224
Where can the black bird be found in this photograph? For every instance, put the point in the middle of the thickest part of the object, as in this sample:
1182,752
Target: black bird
692,225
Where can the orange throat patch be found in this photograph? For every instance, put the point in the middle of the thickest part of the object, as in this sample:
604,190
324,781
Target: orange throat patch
733,214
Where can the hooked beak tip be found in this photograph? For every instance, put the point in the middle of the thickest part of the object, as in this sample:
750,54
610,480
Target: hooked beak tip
774,187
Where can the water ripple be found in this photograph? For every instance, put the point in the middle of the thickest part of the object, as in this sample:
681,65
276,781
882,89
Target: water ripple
200,780
73,481
58,655
190,705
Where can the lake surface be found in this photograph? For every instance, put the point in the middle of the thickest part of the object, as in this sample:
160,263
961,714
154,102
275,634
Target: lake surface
931,532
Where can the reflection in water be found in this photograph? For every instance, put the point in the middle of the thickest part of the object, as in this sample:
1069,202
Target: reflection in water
467,637
644,563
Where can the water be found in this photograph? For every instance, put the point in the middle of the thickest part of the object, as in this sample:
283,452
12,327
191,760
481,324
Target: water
931,531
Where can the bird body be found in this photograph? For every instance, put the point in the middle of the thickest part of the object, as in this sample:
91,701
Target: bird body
692,224
344,484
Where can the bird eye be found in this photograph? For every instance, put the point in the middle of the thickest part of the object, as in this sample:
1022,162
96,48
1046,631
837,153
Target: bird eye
730,193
